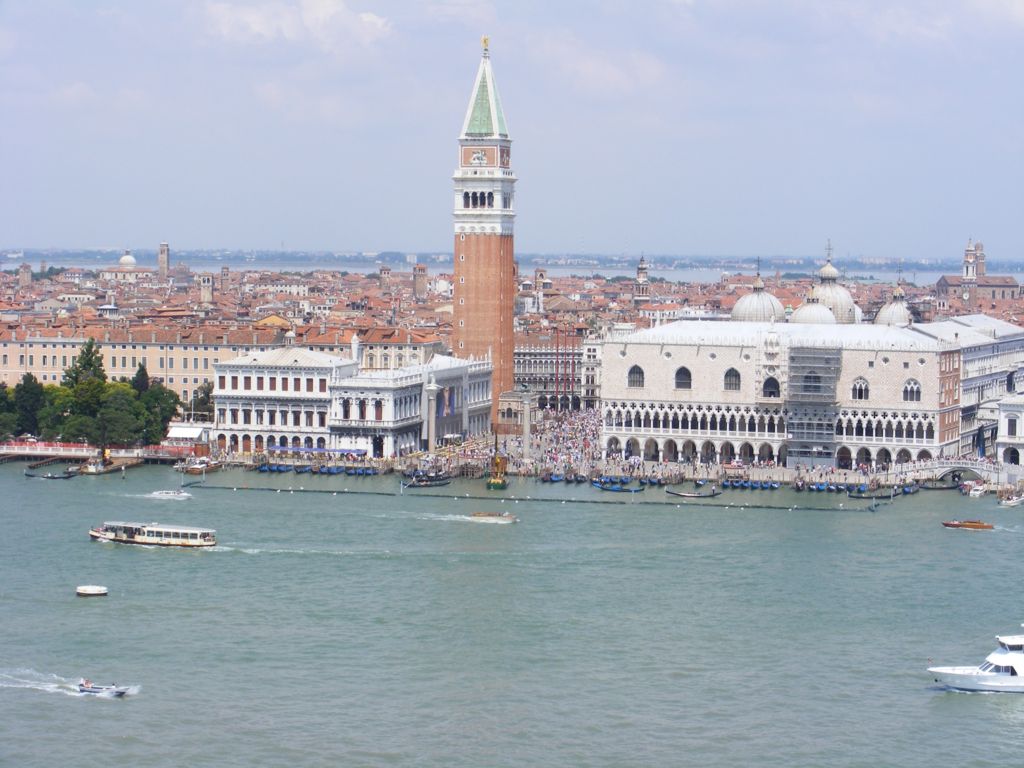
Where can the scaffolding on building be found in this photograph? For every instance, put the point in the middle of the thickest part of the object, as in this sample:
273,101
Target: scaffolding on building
813,405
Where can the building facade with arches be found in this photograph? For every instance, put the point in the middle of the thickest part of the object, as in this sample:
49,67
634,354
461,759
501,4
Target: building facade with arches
299,399
794,394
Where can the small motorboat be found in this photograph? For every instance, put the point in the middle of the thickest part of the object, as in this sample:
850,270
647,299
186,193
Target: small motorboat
175,495
494,517
1013,500
970,525
1002,670
113,690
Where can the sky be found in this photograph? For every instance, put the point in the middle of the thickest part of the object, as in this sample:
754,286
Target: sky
688,127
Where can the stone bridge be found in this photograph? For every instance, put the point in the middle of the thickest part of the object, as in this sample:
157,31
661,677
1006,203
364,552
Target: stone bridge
990,472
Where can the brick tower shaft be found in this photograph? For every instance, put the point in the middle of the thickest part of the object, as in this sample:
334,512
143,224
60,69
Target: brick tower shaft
485,267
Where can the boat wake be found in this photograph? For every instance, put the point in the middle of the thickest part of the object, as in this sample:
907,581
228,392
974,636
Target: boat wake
285,551
496,520
165,495
32,680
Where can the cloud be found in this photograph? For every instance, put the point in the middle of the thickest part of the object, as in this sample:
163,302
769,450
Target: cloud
74,94
610,73
1007,10
329,24
7,44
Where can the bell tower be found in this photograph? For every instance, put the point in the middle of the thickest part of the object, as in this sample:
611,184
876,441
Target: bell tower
485,267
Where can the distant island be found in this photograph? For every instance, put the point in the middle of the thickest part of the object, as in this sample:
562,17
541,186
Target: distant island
587,263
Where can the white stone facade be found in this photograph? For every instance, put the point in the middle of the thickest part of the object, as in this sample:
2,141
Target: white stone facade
394,412
794,394
290,397
279,398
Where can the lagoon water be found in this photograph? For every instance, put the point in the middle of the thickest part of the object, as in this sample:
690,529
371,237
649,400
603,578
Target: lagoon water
377,629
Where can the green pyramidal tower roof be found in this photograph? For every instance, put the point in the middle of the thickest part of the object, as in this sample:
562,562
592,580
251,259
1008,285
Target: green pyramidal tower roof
484,118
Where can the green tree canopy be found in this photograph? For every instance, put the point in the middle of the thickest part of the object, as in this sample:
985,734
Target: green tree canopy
88,365
79,429
28,399
58,403
140,382
202,400
160,405
121,417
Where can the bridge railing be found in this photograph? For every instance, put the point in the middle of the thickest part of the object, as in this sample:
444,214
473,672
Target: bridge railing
41,448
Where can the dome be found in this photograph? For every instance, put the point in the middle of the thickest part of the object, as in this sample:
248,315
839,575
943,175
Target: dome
758,306
812,312
127,260
895,311
834,296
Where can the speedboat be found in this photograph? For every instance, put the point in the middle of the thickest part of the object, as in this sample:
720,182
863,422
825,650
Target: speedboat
113,690
1013,500
971,525
170,495
494,517
1003,669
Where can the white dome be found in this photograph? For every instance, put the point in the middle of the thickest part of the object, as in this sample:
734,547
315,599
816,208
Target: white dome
759,306
828,272
811,312
895,311
127,260
834,296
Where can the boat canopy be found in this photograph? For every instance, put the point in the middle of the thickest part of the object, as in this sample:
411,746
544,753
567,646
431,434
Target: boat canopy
159,526
1011,642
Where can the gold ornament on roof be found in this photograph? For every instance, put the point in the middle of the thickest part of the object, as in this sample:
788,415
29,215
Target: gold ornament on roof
485,41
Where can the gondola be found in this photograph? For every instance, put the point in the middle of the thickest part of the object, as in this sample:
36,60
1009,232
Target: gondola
617,487
52,475
686,495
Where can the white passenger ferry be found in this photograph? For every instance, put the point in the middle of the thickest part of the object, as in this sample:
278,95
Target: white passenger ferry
154,534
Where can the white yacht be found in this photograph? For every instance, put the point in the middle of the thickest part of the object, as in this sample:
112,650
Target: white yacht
1003,669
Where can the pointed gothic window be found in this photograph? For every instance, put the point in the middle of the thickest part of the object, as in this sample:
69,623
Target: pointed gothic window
732,380
912,391
635,377
683,378
861,390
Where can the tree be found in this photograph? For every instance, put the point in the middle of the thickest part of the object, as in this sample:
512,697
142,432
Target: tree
80,429
8,425
88,396
160,406
121,418
202,400
88,365
140,382
28,399
58,404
